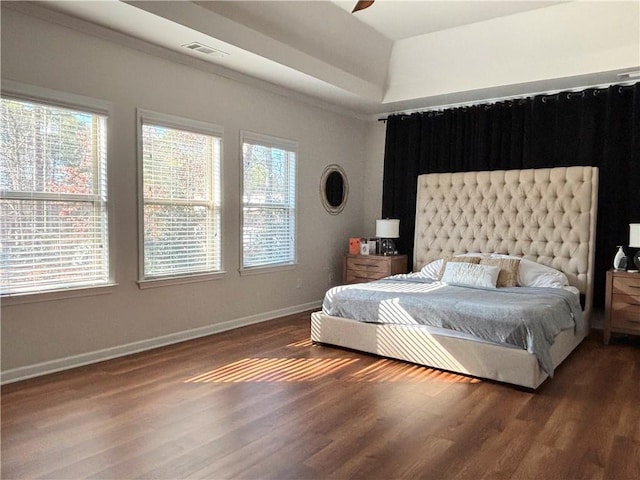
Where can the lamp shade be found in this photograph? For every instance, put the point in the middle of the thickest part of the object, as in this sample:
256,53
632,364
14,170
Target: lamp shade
634,235
388,228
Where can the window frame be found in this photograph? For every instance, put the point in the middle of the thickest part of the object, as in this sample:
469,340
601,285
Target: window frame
57,99
282,144
151,117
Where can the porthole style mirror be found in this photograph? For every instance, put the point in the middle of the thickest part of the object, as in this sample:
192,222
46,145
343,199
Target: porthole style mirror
334,189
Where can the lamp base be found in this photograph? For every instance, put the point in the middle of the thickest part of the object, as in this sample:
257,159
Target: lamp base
636,260
387,247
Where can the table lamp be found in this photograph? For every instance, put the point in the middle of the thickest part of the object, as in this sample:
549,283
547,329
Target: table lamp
386,230
634,242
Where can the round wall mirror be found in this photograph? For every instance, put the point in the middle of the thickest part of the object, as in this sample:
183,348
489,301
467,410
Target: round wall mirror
334,189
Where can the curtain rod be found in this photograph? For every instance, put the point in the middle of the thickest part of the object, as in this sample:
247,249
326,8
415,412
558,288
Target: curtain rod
491,101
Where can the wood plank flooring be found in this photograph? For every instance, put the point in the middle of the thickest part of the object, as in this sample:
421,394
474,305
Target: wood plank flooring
263,402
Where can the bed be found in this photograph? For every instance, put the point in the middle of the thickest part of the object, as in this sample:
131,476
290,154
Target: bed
546,216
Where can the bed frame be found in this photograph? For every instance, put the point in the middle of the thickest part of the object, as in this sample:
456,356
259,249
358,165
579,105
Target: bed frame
545,215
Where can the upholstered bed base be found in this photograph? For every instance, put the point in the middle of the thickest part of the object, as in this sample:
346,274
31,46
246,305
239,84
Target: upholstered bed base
417,345
544,215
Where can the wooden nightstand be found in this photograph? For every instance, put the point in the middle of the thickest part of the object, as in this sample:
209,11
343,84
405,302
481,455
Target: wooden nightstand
622,307
365,268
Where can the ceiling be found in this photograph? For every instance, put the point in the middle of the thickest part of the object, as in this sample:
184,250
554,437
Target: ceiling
353,63
398,20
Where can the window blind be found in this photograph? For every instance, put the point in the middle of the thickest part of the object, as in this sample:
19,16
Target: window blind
181,185
269,202
53,198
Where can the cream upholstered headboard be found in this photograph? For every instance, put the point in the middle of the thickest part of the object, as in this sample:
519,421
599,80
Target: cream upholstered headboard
547,215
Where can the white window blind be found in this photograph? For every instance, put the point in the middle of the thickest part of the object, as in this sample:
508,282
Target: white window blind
53,189
181,185
269,201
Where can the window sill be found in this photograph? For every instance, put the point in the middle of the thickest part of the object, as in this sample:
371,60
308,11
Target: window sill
268,269
52,295
168,281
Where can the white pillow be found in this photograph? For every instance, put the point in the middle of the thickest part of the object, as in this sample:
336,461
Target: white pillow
471,274
532,274
432,270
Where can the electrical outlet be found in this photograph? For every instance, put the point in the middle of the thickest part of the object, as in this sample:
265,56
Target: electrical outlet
299,283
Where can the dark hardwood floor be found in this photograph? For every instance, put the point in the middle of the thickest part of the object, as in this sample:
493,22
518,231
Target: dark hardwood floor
262,402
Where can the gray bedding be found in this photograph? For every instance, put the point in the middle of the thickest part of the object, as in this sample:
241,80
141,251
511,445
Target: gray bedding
527,318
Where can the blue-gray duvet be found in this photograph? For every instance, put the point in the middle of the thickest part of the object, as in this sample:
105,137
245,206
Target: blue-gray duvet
527,318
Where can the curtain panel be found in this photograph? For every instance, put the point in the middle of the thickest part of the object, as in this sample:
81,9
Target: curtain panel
593,127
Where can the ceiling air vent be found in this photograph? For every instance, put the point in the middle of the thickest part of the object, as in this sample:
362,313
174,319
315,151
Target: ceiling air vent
205,50
629,75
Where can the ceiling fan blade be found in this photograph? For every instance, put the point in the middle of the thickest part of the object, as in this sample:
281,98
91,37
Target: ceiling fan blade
362,5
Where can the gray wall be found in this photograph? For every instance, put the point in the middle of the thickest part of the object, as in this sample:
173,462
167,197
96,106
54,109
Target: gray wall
374,169
44,336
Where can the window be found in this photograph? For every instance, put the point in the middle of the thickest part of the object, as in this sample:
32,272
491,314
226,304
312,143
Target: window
268,201
53,197
180,196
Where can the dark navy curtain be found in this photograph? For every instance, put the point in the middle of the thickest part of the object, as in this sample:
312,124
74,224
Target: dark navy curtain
594,127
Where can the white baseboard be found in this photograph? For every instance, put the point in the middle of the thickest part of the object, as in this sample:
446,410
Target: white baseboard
44,368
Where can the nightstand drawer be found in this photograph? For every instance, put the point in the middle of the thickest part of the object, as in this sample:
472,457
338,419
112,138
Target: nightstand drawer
363,265
359,276
365,268
625,315
626,286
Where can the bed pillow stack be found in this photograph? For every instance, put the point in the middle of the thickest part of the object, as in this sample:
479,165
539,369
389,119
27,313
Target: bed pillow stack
533,274
460,259
514,271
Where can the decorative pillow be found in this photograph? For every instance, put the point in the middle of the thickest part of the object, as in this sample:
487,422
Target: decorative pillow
432,270
508,276
533,274
464,273
459,259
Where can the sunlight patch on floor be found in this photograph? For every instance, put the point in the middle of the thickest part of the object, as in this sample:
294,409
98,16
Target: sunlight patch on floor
387,370
273,370
302,343
310,369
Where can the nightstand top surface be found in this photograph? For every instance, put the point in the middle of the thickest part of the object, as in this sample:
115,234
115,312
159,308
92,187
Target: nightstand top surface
624,273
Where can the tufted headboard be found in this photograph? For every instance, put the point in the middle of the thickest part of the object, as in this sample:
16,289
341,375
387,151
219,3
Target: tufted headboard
547,215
